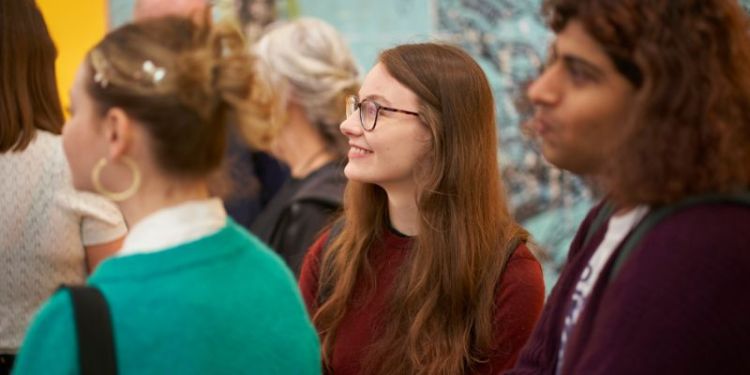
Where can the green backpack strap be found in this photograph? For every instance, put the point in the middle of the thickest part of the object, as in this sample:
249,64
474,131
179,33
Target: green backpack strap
657,215
601,218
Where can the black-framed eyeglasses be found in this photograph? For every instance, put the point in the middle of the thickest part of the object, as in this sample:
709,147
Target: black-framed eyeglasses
369,111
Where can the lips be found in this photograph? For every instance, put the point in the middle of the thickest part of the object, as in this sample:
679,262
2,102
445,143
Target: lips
541,125
356,151
359,147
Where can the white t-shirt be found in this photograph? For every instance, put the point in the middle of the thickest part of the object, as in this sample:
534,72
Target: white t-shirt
618,228
44,226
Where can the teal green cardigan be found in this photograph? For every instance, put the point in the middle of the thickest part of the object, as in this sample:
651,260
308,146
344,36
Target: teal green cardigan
224,304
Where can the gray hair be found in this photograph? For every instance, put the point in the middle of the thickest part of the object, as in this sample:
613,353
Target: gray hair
307,62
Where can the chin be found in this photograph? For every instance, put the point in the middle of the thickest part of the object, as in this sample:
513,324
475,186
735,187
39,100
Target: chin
354,176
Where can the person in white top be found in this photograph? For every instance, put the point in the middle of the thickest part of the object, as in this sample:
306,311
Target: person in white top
50,234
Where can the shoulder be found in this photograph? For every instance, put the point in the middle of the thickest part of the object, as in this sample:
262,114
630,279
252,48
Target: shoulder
50,342
101,220
310,273
709,240
314,256
233,235
519,300
686,269
523,272
707,231
520,294
58,308
326,186
42,162
700,251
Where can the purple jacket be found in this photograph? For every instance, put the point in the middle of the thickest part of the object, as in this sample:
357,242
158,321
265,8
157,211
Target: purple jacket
679,305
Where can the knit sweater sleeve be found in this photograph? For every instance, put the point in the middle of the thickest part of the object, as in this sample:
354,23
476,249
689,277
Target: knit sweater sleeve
50,346
519,303
678,304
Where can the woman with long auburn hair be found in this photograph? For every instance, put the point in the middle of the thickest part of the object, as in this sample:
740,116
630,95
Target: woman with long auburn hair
426,272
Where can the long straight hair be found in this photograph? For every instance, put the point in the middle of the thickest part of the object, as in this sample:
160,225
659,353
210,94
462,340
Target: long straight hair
28,86
439,317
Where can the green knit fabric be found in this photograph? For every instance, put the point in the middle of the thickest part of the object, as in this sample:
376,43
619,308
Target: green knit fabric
224,304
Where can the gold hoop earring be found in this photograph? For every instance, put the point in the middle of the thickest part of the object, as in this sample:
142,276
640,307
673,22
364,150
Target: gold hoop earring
116,196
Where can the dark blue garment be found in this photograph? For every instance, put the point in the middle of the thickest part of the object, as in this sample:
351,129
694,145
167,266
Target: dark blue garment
255,177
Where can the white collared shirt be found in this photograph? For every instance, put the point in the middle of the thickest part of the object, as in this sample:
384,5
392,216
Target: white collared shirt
174,226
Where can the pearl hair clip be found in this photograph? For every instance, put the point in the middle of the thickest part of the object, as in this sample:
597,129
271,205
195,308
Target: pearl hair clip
99,63
155,72
102,69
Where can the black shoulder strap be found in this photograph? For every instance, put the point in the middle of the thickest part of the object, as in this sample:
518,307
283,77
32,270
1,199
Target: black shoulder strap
324,289
657,215
96,345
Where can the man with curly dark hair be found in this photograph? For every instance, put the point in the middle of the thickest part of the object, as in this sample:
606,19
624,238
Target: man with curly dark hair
651,100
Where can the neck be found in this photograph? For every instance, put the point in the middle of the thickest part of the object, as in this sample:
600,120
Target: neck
402,209
300,146
157,194
308,161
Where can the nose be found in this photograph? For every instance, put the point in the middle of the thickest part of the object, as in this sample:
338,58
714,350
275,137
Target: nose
351,127
545,90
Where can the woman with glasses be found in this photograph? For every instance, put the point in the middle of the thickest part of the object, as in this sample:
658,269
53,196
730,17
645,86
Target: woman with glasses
426,272
311,71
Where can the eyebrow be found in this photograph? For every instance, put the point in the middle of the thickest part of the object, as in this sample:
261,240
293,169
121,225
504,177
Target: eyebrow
575,61
377,98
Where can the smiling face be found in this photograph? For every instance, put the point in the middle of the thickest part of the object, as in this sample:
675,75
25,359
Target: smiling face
581,102
388,155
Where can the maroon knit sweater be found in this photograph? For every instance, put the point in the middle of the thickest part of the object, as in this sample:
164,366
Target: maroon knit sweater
679,305
519,299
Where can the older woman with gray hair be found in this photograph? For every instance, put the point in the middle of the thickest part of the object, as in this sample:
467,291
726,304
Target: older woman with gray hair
310,71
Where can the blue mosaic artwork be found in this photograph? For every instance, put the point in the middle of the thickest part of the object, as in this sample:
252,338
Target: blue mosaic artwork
508,39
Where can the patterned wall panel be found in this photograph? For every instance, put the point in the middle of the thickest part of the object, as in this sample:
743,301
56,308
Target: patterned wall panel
508,39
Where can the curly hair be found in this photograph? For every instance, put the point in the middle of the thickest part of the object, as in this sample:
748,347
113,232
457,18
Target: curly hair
205,78
689,60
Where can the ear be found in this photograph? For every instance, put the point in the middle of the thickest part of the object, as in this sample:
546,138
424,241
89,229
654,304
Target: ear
118,131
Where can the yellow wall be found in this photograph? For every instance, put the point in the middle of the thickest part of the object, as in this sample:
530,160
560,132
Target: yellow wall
75,25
